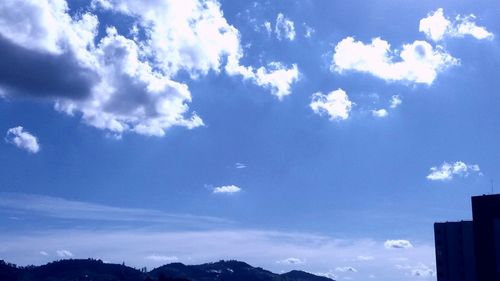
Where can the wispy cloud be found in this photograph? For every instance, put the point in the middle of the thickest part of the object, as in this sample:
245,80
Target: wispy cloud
239,165
56,207
284,28
346,269
291,261
163,259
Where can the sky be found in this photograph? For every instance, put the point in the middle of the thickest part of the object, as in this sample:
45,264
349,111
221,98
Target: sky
325,136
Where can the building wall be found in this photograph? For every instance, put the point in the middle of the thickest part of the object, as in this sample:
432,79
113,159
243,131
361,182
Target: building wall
455,251
485,211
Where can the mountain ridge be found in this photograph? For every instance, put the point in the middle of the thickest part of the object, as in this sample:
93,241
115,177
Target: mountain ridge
97,270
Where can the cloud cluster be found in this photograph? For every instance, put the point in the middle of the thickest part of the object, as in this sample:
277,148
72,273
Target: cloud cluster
22,139
419,270
447,171
398,244
418,62
436,26
118,81
335,104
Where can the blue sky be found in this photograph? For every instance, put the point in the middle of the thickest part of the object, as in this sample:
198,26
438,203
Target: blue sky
326,136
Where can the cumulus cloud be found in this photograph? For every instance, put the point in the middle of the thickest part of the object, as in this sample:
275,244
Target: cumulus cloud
275,76
123,82
335,104
291,261
395,101
284,28
43,253
160,258
436,26
227,189
380,113
346,269
447,171
64,254
398,244
22,139
418,62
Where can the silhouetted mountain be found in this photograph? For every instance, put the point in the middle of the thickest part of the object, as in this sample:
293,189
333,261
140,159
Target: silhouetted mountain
297,275
89,269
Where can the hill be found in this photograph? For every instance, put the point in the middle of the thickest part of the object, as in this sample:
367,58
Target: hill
96,270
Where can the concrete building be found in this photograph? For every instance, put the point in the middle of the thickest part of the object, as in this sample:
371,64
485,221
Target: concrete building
455,259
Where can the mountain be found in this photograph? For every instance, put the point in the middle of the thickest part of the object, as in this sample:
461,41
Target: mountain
96,270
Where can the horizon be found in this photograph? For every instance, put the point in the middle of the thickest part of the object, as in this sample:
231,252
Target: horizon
323,136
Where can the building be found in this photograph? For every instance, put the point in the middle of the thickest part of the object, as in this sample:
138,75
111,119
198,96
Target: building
486,219
470,250
455,251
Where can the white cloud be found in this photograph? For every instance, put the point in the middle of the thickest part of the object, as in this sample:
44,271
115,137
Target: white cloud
43,253
228,189
284,28
336,104
277,77
346,269
240,165
291,261
160,258
380,113
64,254
22,139
447,171
126,83
365,258
437,26
398,244
418,62
395,101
